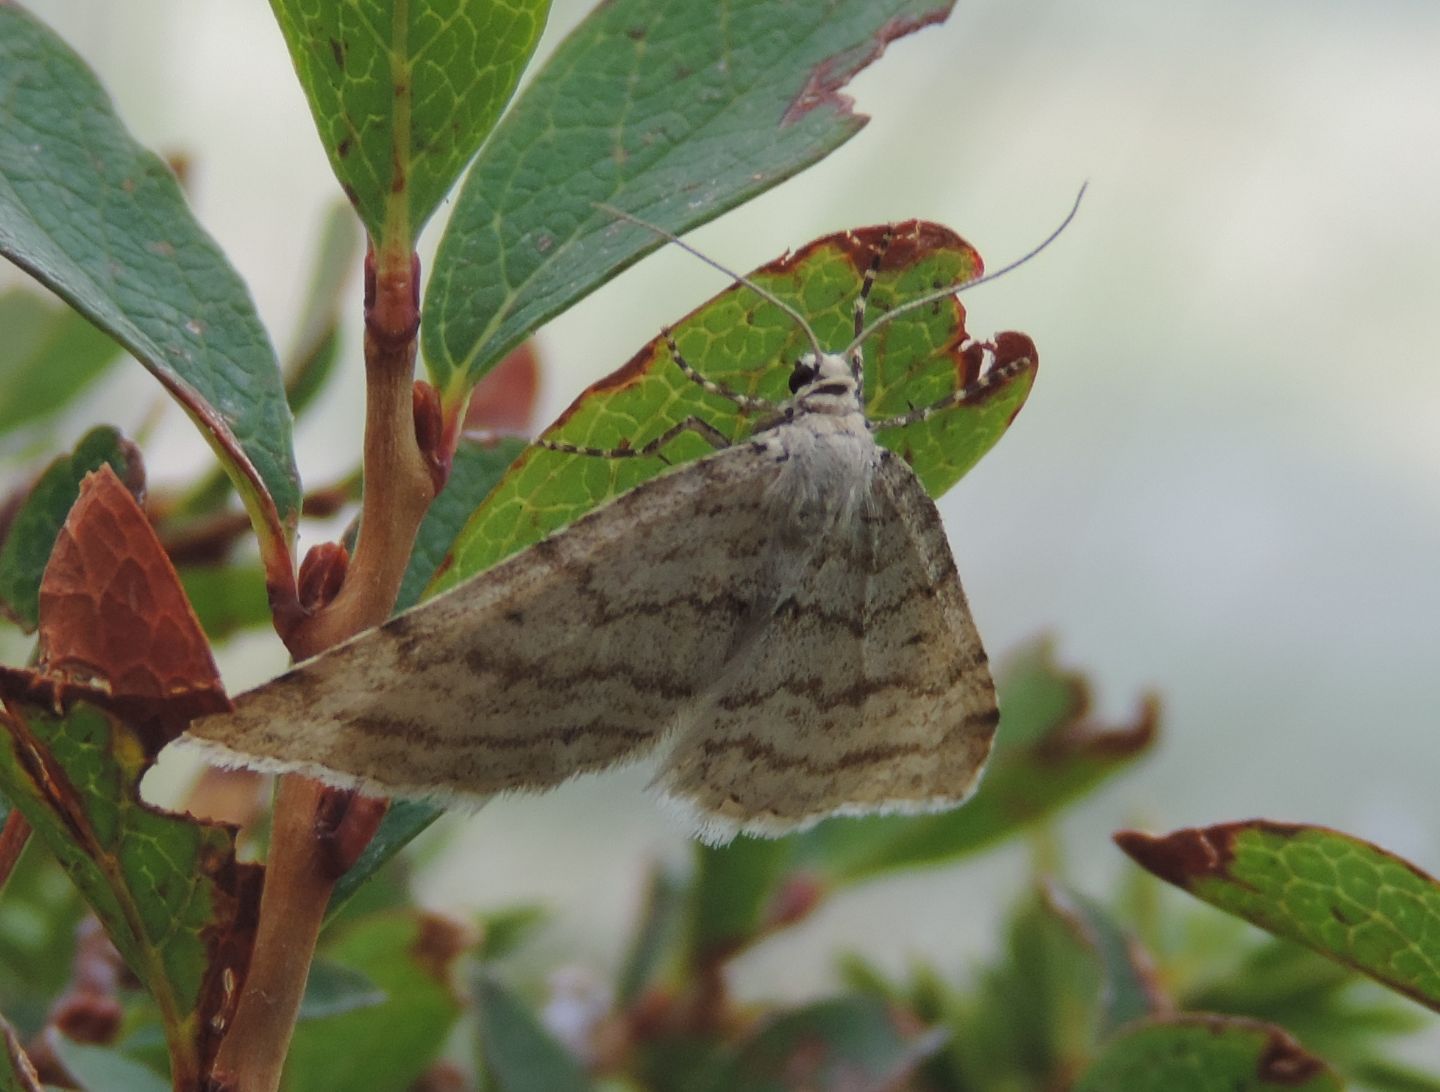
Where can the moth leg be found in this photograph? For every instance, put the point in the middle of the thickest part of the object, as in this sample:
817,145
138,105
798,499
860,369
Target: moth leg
863,297
994,377
871,272
702,428
744,401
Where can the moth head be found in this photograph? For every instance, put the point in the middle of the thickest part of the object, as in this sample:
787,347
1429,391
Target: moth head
804,373
824,382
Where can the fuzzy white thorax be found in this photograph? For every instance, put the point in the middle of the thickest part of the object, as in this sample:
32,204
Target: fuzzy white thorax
824,444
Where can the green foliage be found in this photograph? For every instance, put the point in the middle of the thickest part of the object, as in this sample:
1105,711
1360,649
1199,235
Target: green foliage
831,1044
40,912
100,1068
102,223
477,469
677,111
517,1053
334,990
1043,1009
749,345
407,959
51,355
165,887
16,1072
31,536
403,94
1342,896
1322,1003
227,599
1199,1054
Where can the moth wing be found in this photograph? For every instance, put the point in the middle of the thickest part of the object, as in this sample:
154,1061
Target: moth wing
571,655
868,691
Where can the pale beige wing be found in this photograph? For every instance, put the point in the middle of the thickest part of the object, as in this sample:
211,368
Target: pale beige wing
868,691
570,656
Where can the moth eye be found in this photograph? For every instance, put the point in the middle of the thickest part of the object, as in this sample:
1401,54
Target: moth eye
804,373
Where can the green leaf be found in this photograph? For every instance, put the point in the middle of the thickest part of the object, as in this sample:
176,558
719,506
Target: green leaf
473,475
517,1052
734,886
39,914
506,930
32,534
227,598
16,1072
675,111
102,223
51,354
403,823
333,990
403,93
1046,754
166,887
476,470
316,348
1039,695
1383,1075
1128,989
1067,976
1346,898
102,1069
1317,1000
849,1042
750,346
658,930
409,957
317,337
1203,1053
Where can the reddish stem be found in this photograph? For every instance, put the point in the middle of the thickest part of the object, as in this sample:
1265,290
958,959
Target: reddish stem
13,837
318,831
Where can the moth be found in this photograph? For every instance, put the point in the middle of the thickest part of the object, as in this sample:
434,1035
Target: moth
781,620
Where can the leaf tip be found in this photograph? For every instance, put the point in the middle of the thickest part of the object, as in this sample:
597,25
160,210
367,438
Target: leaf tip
1181,857
1283,1061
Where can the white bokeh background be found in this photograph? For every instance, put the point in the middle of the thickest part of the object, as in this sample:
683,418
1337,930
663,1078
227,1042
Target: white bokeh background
1225,486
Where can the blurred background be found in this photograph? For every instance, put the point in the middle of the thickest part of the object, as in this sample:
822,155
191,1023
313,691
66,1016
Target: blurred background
1225,487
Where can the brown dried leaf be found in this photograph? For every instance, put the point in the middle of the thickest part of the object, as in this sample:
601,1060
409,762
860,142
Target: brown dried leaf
115,622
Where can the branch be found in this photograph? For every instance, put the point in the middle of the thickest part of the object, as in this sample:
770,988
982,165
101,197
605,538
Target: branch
319,831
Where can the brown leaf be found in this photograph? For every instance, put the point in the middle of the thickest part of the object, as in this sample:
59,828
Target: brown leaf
115,623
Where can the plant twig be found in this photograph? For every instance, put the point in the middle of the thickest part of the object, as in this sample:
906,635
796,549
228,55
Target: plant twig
13,838
318,831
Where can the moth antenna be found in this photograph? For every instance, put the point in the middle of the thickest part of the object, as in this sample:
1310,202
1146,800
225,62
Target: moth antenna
713,264
950,290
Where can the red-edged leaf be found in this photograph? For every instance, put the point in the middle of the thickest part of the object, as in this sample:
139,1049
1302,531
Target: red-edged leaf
1205,1053
1342,896
747,344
